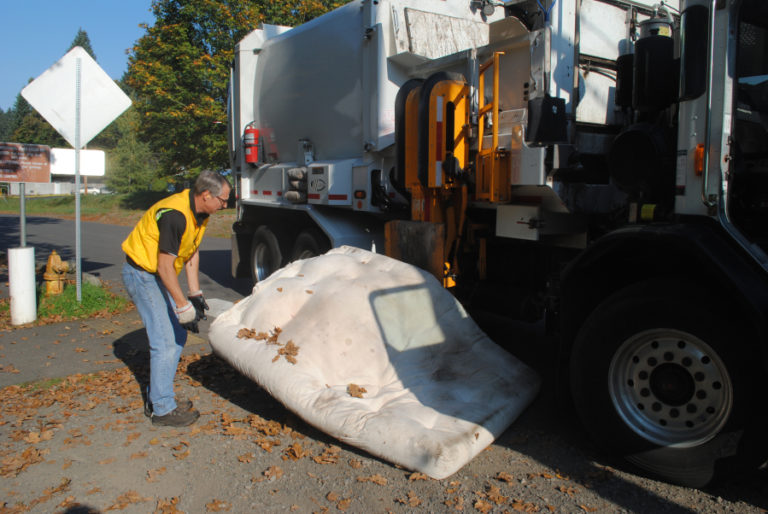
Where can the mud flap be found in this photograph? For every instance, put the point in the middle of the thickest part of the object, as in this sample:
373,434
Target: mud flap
419,243
240,240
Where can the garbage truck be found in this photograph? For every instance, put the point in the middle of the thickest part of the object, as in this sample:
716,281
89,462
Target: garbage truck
599,166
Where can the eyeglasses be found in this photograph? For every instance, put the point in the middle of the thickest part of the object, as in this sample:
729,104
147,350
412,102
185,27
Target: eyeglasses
222,201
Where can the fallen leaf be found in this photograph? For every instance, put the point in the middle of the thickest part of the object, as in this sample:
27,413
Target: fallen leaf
520,505
166,506
457,503
68,502
483,506
15,464
126,499
217,506
355,390
411,500
181,450
494,494
273,472
152,474
330,455
290,351
417,476
246,458
294,452
376,479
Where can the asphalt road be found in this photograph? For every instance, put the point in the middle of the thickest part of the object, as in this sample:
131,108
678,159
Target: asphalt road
101,254
554,445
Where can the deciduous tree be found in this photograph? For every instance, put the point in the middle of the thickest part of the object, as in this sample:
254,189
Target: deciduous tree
180,68
131,165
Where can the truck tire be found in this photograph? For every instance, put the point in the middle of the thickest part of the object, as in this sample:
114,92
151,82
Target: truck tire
266,257
309,243
661,375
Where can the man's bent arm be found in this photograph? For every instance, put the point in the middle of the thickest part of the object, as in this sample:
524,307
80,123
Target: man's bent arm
192,268
168,277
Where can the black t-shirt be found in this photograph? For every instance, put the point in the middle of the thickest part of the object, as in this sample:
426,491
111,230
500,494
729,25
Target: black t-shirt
172,224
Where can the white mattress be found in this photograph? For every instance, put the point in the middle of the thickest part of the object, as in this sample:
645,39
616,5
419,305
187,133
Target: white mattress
437,389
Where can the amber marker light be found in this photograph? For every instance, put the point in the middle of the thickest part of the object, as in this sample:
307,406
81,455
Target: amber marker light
698,159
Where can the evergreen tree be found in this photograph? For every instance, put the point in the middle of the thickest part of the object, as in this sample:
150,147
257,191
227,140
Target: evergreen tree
82,39
5,125
21,109
27,126
33,129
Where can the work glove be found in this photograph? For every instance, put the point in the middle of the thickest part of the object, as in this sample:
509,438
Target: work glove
188,317
198,301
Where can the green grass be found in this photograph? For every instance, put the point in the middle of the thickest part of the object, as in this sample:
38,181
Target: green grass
116,209
43,385
90,205
95,300
53,383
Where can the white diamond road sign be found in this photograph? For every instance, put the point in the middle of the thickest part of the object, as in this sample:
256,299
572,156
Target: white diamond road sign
53,95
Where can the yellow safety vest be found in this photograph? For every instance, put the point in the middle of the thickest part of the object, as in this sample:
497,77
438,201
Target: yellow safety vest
142,243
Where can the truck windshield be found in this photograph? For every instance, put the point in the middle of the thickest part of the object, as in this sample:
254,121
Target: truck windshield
752,57
748,198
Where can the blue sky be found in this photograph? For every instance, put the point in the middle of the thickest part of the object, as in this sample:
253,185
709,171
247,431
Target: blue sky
37,33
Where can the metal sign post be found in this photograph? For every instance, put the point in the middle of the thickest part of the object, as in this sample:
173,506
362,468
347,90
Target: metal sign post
22,215
79,271
51,95
22,163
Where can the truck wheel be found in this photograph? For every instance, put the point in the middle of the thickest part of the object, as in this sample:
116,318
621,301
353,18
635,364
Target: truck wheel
309,243
661,376
266,257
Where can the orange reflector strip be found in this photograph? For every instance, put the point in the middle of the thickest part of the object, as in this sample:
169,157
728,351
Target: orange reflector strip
698,159
360,194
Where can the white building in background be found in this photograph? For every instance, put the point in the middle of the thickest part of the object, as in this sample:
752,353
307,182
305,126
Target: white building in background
92,171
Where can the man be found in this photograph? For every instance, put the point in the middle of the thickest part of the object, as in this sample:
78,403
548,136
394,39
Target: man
164,242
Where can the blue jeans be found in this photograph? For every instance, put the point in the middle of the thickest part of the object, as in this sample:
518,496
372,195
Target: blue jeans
166,336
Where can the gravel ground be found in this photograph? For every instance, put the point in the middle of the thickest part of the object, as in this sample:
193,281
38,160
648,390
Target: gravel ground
82,444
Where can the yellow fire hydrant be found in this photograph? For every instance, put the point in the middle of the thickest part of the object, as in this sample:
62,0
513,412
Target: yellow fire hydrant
54,274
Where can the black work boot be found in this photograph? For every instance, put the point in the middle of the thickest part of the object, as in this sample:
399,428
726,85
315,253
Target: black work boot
178,417
184,404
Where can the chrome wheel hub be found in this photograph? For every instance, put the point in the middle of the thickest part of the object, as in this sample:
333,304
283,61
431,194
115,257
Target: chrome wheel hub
670,387
262,267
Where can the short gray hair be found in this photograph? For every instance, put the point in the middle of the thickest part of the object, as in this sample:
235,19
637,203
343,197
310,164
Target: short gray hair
210,180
